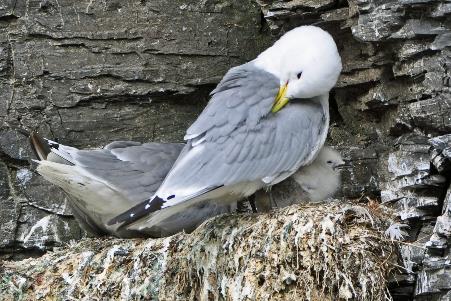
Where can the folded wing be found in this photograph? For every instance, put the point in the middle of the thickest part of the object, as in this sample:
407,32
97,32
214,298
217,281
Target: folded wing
237,139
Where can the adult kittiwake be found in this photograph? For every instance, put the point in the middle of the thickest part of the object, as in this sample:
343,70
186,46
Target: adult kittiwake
265,120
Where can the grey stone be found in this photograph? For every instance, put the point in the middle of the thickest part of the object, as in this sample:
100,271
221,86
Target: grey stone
380,21
414,257
442,230
441,153
417,28
14,144
433,114
433,281
10,9
9,211
37,229
441,41
441,9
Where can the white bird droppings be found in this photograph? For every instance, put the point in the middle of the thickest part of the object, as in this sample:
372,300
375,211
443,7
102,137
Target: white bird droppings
23,176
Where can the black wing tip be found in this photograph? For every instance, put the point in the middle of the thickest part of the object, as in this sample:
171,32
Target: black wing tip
39,145
137,212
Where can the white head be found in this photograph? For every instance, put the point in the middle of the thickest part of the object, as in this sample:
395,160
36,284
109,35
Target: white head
330,158
306,61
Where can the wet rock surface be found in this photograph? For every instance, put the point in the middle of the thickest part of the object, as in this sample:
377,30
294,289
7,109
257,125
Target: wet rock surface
87,73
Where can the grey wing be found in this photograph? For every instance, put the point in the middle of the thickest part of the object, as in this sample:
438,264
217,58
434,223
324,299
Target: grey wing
269,152
241,100
244,95
133,169
237,139
238,105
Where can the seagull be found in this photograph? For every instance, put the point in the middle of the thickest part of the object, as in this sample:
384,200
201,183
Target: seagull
129,171
316,182
265,120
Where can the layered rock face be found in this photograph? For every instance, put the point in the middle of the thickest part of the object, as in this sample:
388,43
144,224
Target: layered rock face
87,73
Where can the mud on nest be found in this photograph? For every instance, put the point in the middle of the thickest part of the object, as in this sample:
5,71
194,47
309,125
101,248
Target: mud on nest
328,251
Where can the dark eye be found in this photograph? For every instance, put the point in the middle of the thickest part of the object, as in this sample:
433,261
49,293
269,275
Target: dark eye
329,162
299,75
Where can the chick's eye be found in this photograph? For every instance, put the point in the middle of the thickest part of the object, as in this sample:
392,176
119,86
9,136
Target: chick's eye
299,75
329,162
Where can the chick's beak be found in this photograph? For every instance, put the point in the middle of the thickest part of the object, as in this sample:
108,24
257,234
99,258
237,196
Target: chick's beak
280,101
340,166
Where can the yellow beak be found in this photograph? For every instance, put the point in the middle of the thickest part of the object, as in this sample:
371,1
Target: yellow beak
280,100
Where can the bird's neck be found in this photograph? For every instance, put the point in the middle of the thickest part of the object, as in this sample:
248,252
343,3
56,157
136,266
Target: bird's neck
324,101
268,63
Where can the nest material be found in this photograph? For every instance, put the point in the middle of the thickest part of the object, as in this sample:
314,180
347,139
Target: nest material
322,252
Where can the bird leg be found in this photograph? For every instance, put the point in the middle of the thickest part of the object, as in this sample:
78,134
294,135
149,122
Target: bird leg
263,201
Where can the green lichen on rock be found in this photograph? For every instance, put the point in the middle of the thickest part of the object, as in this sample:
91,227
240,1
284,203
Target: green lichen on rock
328,251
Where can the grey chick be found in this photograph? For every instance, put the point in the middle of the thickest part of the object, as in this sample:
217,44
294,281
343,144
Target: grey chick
321,179
315,182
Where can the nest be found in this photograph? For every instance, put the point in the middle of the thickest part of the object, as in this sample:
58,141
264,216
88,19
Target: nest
322,252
